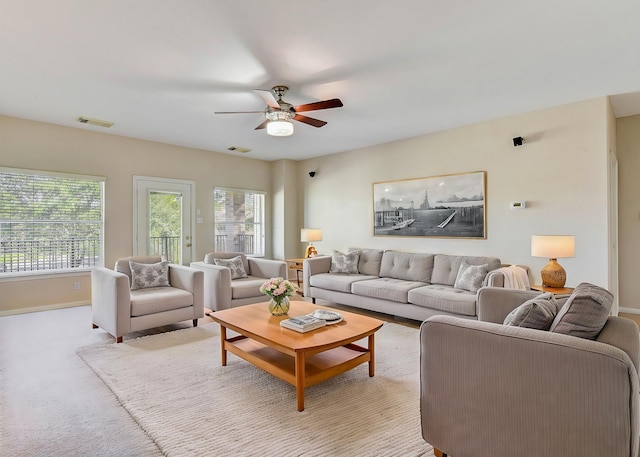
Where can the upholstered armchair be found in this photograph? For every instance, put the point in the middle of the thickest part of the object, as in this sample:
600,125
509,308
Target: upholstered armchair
489,389
233,279
154,294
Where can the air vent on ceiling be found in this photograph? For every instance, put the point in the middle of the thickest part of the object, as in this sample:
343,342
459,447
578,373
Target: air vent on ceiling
98,122
238,149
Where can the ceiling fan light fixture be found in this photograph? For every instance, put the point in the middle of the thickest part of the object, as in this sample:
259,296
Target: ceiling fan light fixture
280,128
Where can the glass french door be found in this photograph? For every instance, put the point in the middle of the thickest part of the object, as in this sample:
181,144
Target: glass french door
163,218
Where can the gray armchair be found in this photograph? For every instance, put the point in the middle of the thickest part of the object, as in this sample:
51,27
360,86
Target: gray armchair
119,310
489,389
222,292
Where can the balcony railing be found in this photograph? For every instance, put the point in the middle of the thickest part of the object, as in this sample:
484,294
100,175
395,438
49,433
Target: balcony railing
167,246
237,243
38,255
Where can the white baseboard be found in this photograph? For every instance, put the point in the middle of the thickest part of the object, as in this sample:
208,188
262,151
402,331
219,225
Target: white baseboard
629,310
35,309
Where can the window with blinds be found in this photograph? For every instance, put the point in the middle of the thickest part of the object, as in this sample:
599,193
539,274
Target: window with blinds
239,218
50,222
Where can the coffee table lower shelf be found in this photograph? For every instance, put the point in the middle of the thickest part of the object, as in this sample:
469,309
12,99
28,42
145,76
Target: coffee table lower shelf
301,368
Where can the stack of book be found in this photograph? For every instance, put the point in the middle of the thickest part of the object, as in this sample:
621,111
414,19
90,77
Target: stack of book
303,324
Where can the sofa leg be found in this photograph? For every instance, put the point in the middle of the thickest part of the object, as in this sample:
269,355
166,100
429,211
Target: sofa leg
313,300
118,339
439,453
93,325
195,322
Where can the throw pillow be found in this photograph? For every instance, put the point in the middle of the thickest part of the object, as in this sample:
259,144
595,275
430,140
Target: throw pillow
584,313
470,277
344,263
537,313
147,275
234,264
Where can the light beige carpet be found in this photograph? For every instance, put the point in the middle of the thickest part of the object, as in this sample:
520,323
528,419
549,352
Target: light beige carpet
173,385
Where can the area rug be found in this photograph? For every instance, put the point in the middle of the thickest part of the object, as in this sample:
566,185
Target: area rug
174,387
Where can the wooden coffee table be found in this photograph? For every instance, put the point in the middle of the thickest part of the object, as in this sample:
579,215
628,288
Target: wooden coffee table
301,359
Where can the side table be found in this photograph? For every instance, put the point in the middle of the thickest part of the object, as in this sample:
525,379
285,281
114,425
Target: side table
295,264
553,290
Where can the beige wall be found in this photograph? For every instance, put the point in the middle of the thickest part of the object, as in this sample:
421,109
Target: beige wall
286,223
40,146
560,171
628,146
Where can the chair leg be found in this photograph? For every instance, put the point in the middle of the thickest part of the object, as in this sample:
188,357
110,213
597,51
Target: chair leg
439,453
195,322
93,325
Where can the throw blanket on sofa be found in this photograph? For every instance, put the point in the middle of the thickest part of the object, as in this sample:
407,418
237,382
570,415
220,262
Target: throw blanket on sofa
514,276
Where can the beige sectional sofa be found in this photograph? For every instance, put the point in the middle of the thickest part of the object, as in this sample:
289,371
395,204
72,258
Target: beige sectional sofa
410,285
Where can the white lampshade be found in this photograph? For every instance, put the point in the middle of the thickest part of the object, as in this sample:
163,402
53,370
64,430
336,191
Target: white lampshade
280,128
310,234
553,246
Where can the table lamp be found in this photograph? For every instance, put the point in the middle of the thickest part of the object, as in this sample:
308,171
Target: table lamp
553,247
309,235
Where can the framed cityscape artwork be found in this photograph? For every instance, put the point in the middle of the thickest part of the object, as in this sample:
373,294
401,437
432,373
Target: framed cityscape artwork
448,206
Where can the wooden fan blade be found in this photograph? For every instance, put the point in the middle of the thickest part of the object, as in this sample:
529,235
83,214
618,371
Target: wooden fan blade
237,112
263,125
333,103
268,98
309,120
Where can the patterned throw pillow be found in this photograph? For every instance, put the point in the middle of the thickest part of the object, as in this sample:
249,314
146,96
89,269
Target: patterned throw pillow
470,277
147,275
234,264
537,313
344,263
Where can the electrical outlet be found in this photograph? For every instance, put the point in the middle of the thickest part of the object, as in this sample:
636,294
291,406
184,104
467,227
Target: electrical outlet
76,285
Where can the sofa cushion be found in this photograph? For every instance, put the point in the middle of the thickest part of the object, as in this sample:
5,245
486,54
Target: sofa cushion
158,299
148,275
211,256
247,287
444,298
470,277
336,282
369,261
344,263
537,313
385,288
446,267
234,264
407,266
122,265
584,313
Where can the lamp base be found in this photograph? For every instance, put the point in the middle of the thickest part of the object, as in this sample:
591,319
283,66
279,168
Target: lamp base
310,251
553,275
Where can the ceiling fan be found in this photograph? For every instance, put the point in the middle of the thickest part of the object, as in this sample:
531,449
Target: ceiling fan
279,113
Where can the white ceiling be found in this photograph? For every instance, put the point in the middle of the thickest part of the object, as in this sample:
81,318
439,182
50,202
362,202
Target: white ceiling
160,68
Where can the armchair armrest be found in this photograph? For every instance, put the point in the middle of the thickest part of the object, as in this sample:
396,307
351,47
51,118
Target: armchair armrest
191,280
267,268
111,301
217,285
623,334
489,389
313,266
494,303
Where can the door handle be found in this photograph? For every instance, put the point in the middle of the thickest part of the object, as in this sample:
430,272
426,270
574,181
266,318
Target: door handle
188,245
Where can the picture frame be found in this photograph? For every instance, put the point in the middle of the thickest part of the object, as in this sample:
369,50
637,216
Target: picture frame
447,206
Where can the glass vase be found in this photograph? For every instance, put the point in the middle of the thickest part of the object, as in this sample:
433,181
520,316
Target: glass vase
279,307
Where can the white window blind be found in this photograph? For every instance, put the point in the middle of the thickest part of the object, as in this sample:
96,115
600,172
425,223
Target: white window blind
239,217
49,221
